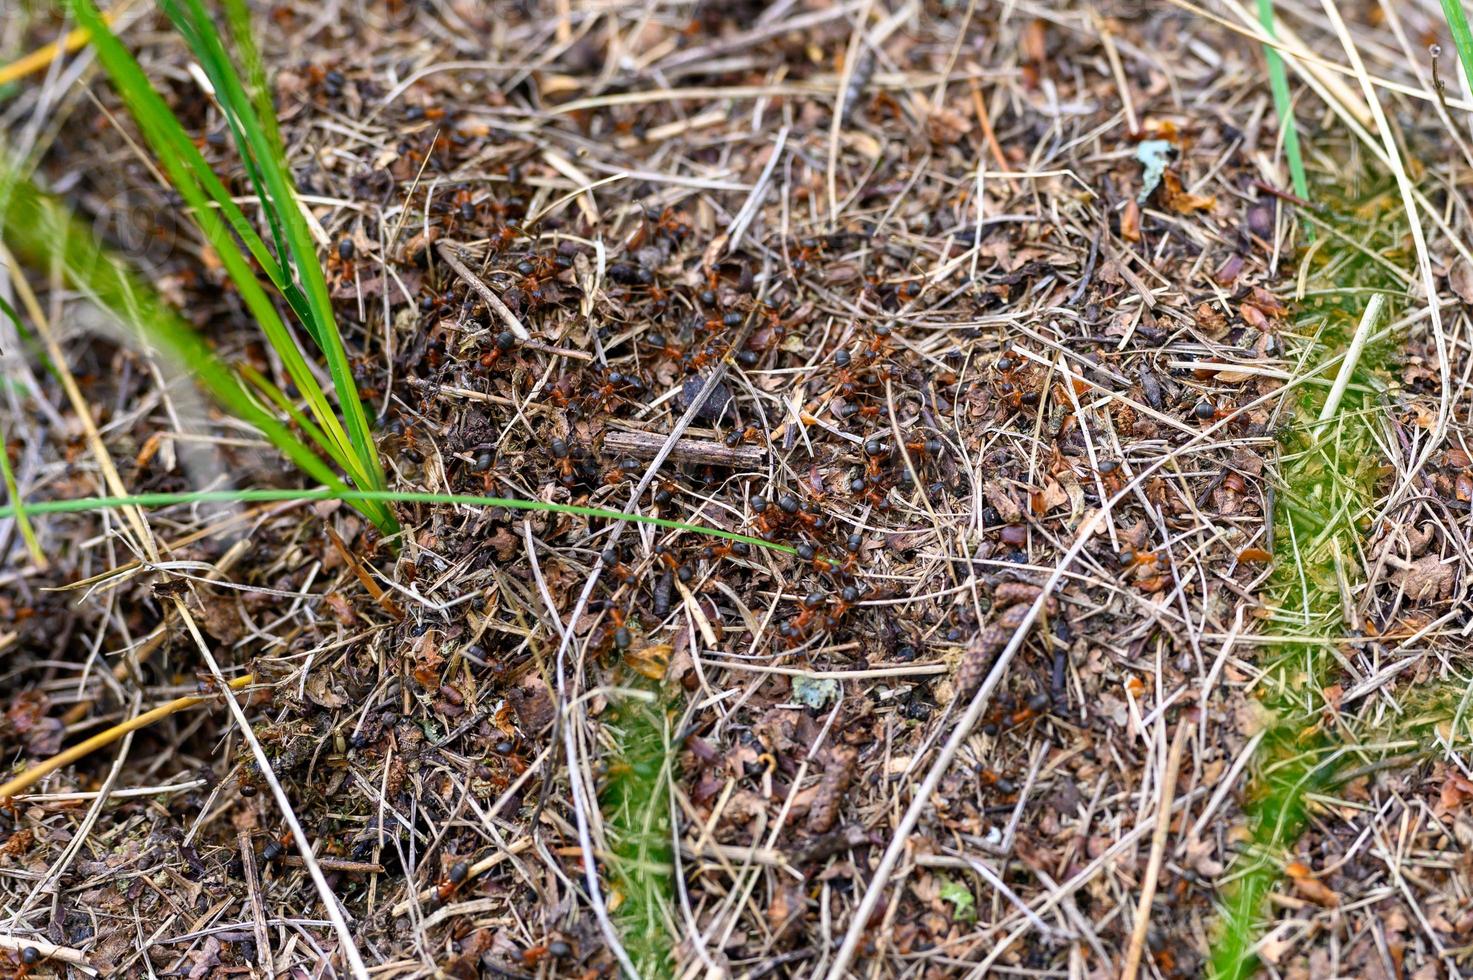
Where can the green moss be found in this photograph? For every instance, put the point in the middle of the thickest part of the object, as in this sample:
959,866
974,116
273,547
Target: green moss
636,806
1328,478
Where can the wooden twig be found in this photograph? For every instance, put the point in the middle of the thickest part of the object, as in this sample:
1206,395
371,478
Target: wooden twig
474,871
448,253
702,452
86,747
50,951
258,912
336,864
1158,851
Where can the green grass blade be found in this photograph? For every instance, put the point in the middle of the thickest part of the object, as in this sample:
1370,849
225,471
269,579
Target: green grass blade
259,142
1457,24
177,153
27,532
348,495
205,43
40,231
278,398
304,252
1278,81
22,519
192,177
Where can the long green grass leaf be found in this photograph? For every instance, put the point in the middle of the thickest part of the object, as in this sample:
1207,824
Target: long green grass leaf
353,450
177,153
259,142
1278,83
12,489
22,519
42,232
348,495
1457,24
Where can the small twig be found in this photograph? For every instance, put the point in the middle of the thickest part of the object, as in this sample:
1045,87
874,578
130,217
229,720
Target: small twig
448,253
1158,852
335,864
1089,267
474,871
701,452
754,199
347,945
351,560
258,913
51,951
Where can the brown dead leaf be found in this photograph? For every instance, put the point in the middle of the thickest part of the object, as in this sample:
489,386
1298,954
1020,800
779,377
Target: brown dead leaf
532,701
321,690
427,660
785,913
1310,887
1460,278
342,610
1211,320
947,126
1034,41
1181,201
1130,221
1426,578
1007,508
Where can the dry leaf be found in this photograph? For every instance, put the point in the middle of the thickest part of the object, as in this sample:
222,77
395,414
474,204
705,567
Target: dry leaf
1130,221
1426,578
1460,278
1180,200
1309,886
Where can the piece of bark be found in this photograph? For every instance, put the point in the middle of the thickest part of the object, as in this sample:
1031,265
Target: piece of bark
707,452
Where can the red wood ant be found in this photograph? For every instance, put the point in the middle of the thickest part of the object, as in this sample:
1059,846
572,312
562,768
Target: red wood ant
808,250
447,886
563,460
276,848
620,636
506,342
22,960
501,237
557,949
340,261
1015,383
